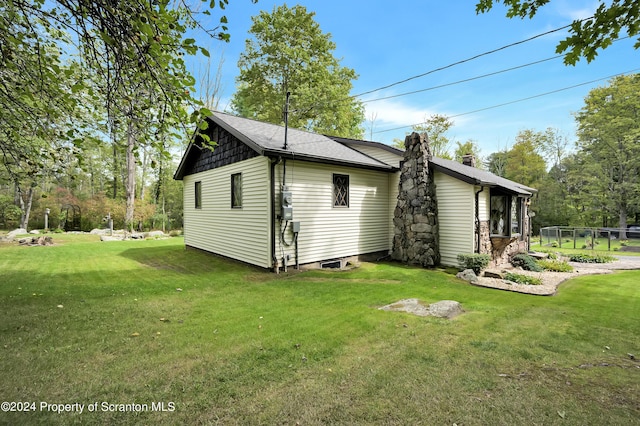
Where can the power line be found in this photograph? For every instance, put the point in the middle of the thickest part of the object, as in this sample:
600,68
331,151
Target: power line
463,81
516,101
463,61
473,78
438,69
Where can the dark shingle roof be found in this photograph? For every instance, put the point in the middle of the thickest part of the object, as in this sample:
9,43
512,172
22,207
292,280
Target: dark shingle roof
268,139
479,177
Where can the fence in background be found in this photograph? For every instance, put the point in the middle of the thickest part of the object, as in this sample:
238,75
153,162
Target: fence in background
590,238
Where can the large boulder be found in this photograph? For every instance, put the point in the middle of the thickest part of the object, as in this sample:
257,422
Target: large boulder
156,234
445,309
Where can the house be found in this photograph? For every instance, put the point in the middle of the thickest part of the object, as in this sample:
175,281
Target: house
276,197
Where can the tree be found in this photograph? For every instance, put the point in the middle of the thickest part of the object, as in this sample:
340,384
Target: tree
587,36
524,164
435,127
496,163
470,147
127,60
609,136
290,53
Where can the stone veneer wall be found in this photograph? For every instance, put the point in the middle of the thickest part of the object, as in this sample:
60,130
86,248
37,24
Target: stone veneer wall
415,239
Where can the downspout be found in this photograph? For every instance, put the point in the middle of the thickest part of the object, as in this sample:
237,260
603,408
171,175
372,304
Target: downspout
478,218
274,258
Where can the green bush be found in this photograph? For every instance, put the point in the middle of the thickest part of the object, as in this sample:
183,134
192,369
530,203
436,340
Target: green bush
522,279
555,265
526,262
591,258
475,261
175,232
554,244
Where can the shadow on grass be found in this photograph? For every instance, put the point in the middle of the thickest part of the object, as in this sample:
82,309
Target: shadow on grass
181,260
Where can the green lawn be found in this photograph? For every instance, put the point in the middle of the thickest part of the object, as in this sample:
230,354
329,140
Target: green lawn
89,322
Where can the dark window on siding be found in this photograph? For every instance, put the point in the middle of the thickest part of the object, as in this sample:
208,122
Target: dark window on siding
198,194
236,190
340,190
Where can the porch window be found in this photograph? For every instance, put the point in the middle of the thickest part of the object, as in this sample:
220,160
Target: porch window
198,194
236,190
340,190
506,215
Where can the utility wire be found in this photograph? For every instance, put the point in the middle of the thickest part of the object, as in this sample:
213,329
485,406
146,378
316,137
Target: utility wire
309,108
517,100
463,81
473,78
464,61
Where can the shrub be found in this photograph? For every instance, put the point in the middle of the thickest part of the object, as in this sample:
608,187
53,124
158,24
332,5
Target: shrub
522,279
554,244
555,265
591,258
175,233
475,261
526,262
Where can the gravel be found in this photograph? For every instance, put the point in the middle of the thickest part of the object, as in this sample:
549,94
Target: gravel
551,280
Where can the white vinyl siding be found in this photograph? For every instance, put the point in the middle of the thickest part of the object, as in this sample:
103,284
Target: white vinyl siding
483,202
328,232
456,217
238,233
380,154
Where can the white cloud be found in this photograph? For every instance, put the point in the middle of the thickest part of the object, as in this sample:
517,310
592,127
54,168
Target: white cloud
569,10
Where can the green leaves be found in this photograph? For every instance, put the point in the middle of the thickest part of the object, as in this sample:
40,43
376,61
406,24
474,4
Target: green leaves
290,53
587,36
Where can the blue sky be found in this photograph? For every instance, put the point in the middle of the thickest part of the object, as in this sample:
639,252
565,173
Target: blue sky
385,42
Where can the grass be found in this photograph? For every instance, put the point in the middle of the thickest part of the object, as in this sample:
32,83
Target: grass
238,345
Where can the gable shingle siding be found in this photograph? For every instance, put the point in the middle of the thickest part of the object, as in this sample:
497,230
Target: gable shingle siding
228,150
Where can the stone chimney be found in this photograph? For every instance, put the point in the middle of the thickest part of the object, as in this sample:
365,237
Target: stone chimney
415,239
469,160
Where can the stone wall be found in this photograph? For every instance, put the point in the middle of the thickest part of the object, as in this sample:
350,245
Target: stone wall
415,239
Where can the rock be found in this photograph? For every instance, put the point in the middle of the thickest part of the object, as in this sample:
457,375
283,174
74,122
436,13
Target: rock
137,236
445,309
442,309
110,238
493,273
11,235
97,231
538,255
156,234
468,275
34,232
412,306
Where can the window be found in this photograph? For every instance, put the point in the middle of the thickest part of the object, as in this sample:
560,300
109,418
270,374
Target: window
340,190
516,221
198,194
506,215
499,219
236,190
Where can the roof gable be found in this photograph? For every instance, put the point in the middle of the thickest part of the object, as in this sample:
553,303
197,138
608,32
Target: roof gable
268,140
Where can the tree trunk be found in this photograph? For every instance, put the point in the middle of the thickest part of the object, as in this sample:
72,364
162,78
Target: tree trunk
25,206
116,169
131,176
623,221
